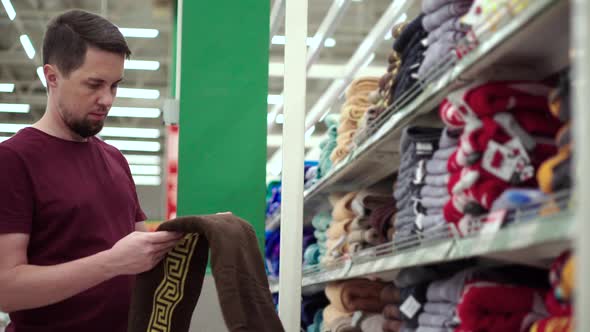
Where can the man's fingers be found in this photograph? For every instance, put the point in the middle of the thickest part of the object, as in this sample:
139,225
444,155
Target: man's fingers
163,237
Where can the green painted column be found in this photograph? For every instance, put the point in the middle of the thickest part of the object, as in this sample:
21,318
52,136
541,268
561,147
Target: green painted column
223,106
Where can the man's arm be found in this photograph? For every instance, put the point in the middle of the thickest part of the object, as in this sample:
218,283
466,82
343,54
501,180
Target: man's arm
24,286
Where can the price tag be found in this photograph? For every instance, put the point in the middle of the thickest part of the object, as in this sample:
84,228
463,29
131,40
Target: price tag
410,307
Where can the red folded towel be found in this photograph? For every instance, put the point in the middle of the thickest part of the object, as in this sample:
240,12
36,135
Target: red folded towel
488,307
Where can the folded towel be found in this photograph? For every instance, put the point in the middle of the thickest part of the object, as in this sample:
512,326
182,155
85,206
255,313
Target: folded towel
391,312
332,314
343,209
444,13
496,307
368,200
360,223
430,6
437,180
452,25
348,125
390,294
441,308
355,294
435,192
394,326
165,297
363,236
434,320
338,229
380,220
339,153
372,323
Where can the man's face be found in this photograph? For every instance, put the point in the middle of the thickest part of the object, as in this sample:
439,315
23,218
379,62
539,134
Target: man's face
85,97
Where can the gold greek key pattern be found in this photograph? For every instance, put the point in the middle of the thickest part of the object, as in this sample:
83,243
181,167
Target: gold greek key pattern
171,290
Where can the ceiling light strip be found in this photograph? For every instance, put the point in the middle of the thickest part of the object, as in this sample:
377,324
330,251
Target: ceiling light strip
326,28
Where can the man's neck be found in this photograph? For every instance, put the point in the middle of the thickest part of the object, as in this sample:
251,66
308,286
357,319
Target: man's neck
52,124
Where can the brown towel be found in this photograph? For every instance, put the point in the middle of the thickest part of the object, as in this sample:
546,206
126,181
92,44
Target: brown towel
355,294
391,312
165,297
390,295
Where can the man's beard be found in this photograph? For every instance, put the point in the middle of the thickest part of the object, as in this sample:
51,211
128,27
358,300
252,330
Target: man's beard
83,127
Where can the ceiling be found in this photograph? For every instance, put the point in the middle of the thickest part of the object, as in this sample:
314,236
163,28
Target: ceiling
33,15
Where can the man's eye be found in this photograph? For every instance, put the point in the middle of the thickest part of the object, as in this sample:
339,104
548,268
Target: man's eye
94,86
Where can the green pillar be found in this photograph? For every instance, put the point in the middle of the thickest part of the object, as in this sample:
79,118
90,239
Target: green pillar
223,106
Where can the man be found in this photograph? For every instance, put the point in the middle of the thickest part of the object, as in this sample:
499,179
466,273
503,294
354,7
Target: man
69,212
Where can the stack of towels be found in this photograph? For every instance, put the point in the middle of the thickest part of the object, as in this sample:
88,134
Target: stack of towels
381,98
417,146
555,174
273,244
442,21
328,145
374,209
507,299
559,299
320,223
355,306
411,50
434,194
337,233
391,298
356,105
506,134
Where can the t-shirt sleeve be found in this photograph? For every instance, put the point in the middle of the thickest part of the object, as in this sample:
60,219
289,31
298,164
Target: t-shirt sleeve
16,194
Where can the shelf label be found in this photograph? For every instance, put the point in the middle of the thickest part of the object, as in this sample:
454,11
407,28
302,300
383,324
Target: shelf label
410,307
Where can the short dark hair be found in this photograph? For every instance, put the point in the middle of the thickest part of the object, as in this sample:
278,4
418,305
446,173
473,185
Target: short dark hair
69,35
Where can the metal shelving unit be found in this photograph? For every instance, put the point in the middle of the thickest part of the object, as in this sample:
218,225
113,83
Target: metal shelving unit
521,41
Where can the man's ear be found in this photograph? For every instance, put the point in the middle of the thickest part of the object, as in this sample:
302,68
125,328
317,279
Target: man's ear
51,75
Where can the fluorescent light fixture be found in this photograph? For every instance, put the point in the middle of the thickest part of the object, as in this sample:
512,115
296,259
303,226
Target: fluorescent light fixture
309,132
138,159
281,40
274,99
135,112
11,127
6,87
2,138
138,93
130,132
142,65
41,75
28,46
9,9
330,42
145,169
15,108
280,119
276,168
139,33
147,146
143,180
369,60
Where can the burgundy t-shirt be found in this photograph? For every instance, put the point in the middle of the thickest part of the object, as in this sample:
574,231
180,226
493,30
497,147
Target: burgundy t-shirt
74,199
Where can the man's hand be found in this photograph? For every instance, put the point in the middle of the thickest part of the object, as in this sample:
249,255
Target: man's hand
140,251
